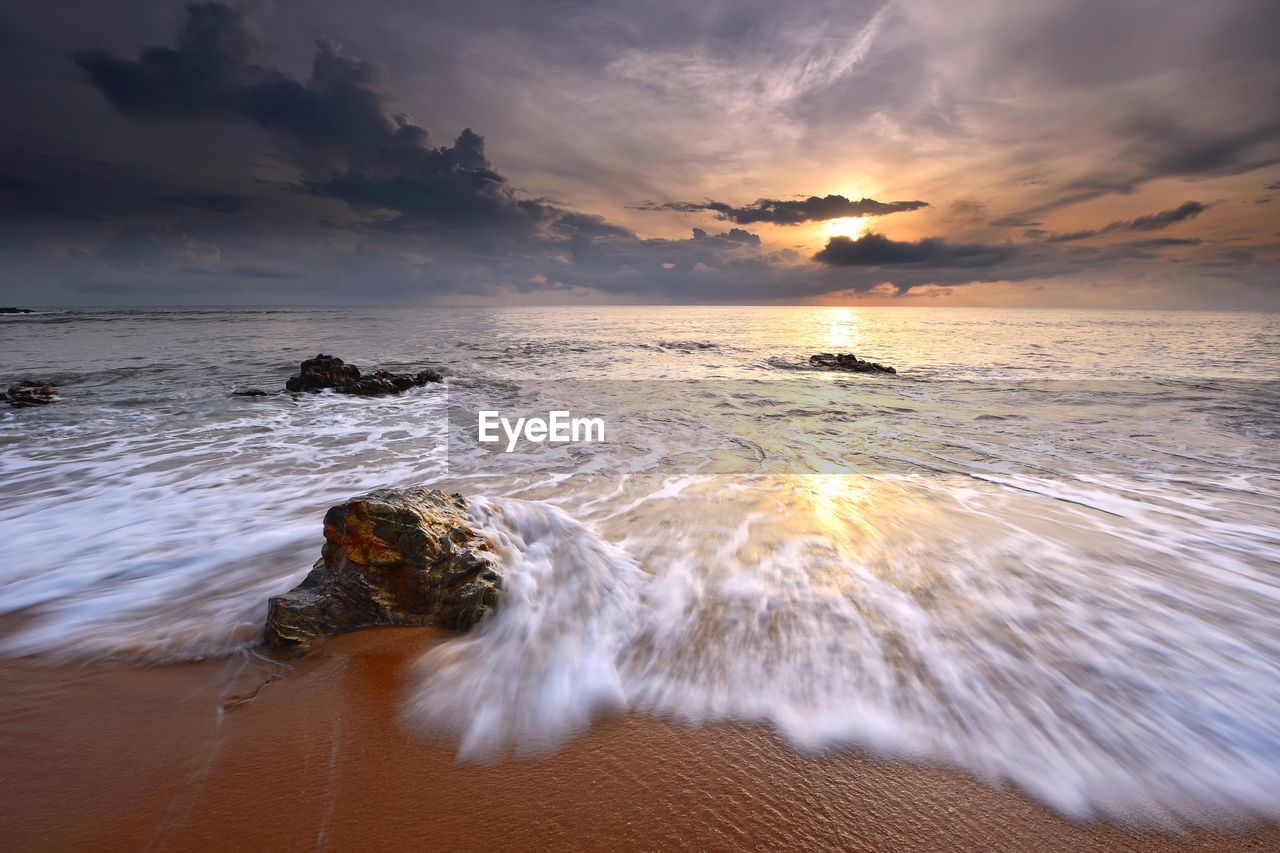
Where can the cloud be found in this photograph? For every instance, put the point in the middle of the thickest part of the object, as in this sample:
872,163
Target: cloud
966,211
265,272
1151,222
289,176
779,212
1164,242
1150,147
211,71
734,235
213,202
877,250
138,247
1163,219
339,130
338,126
1162,145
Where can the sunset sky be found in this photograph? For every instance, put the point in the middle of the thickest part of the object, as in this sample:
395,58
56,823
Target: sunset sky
906,152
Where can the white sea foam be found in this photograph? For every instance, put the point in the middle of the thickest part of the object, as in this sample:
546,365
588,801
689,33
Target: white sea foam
1091,670
163,537
1045,556
538,675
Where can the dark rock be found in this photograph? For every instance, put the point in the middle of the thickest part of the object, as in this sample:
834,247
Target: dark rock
250,392
391,557
15,310
326,371
847,361
31,392
323,371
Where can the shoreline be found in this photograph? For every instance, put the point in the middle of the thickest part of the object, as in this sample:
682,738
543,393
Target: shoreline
119,757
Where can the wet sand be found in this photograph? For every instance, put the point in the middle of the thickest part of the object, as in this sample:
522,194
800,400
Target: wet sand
118,758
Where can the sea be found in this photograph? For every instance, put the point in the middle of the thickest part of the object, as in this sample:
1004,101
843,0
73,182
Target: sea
1046,551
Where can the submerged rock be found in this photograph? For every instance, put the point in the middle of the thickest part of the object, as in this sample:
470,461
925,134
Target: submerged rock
11,310
327,371
31,392
847,361
250,392
391,557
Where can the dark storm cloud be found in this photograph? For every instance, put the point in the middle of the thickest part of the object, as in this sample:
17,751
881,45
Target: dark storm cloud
779,212
140,247
572,224
1151,222
43,185
708,254
213,69
337,126
339,131
877,250
451,192
213,202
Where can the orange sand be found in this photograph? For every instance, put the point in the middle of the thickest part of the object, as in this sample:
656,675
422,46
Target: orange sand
112,758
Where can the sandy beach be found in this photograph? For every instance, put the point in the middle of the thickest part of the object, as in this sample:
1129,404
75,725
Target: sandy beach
120,758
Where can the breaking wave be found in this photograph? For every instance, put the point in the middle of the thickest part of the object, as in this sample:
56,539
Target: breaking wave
1103,675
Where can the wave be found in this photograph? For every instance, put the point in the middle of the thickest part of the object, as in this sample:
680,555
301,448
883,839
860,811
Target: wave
539,673
1099,682
687,346
157,532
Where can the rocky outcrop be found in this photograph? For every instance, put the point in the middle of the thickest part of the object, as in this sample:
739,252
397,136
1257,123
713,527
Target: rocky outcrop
10,310
31,392
848,362
391,557
327,371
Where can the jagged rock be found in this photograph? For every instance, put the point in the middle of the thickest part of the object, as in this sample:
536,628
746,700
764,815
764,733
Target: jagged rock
323,371
847,361
9,310
327,371
391,557
31,392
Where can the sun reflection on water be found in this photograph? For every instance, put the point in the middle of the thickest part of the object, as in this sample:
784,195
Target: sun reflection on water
842,328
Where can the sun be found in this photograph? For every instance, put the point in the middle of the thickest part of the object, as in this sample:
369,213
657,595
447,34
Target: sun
846,226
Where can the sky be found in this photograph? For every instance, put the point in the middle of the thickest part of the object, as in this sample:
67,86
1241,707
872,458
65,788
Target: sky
910,152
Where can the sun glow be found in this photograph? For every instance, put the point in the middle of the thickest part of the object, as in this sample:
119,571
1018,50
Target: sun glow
846,226
842,328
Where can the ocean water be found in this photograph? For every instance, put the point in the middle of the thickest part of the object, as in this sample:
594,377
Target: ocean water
1047,552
